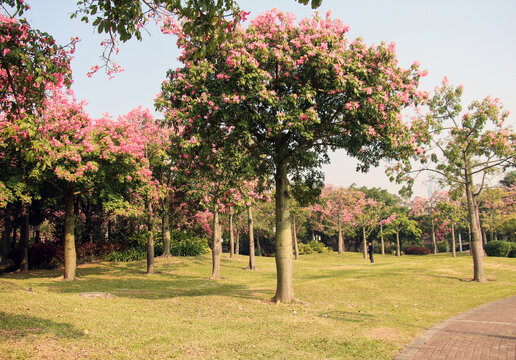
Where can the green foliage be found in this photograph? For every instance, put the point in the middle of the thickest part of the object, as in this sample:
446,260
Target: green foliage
130,254
512,253
509,179
192,246
498,248
134,253
443,247
313,247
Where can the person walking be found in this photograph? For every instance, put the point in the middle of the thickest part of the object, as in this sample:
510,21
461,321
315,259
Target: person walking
370,251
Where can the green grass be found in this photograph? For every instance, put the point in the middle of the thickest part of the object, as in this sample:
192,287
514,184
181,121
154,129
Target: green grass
347,308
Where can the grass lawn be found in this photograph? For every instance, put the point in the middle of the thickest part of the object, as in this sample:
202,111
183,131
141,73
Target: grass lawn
347,308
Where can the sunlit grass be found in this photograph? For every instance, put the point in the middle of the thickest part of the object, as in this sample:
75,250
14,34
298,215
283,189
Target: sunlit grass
347,308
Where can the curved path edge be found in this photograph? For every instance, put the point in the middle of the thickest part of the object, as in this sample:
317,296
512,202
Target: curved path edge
476,322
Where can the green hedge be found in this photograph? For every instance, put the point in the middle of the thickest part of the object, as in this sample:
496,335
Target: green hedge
312,247
189,247
499,248
512,253
135,253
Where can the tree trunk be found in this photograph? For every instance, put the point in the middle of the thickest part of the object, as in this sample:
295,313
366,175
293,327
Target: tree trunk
476,236
491,237
166,234
469,238
70,256
14,237
364,244
454,244
341,240
381,238
24,236
433,237
484,236
150,239
258,246
250,224
37,234
231,233
398,247
6,239
283,244
217,244
294,233
460,242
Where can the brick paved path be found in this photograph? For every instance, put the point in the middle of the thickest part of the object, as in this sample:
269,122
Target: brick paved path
485,333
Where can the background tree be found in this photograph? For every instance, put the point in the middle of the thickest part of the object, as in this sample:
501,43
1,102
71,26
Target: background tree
336,211
401,223
464,149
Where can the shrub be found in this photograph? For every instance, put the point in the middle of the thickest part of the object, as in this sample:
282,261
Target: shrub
46,255
512,253
189,247
416,250
498,248
129,254
304,249
443,247
312,247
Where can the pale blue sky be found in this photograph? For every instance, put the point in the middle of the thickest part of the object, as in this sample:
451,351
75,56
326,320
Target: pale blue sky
473,42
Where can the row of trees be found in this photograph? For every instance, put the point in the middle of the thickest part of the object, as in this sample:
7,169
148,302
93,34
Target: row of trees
257,109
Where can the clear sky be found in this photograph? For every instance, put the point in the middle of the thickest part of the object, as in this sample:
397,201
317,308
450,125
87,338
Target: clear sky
473,42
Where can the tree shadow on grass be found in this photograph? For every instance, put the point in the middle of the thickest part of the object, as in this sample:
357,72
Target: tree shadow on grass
18,326
154,288
346,316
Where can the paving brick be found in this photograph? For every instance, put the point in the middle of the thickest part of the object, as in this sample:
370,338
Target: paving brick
485,333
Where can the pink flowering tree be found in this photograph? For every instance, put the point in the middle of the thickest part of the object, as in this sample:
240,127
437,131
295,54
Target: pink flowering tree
496,207
464,149
30,61
449,214
211,22
336,211
425,211
367,216
80,153
154,139
282,94
387,205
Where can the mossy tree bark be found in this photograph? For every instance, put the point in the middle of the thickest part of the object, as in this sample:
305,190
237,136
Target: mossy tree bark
294,233
250,224
150,239
434,242
231,233
217,244
381,238
398,247
70,256
476,235
454,244
166,234
284,261
364,242
24,236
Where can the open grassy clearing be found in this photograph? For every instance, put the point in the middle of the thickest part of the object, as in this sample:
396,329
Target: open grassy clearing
348,308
